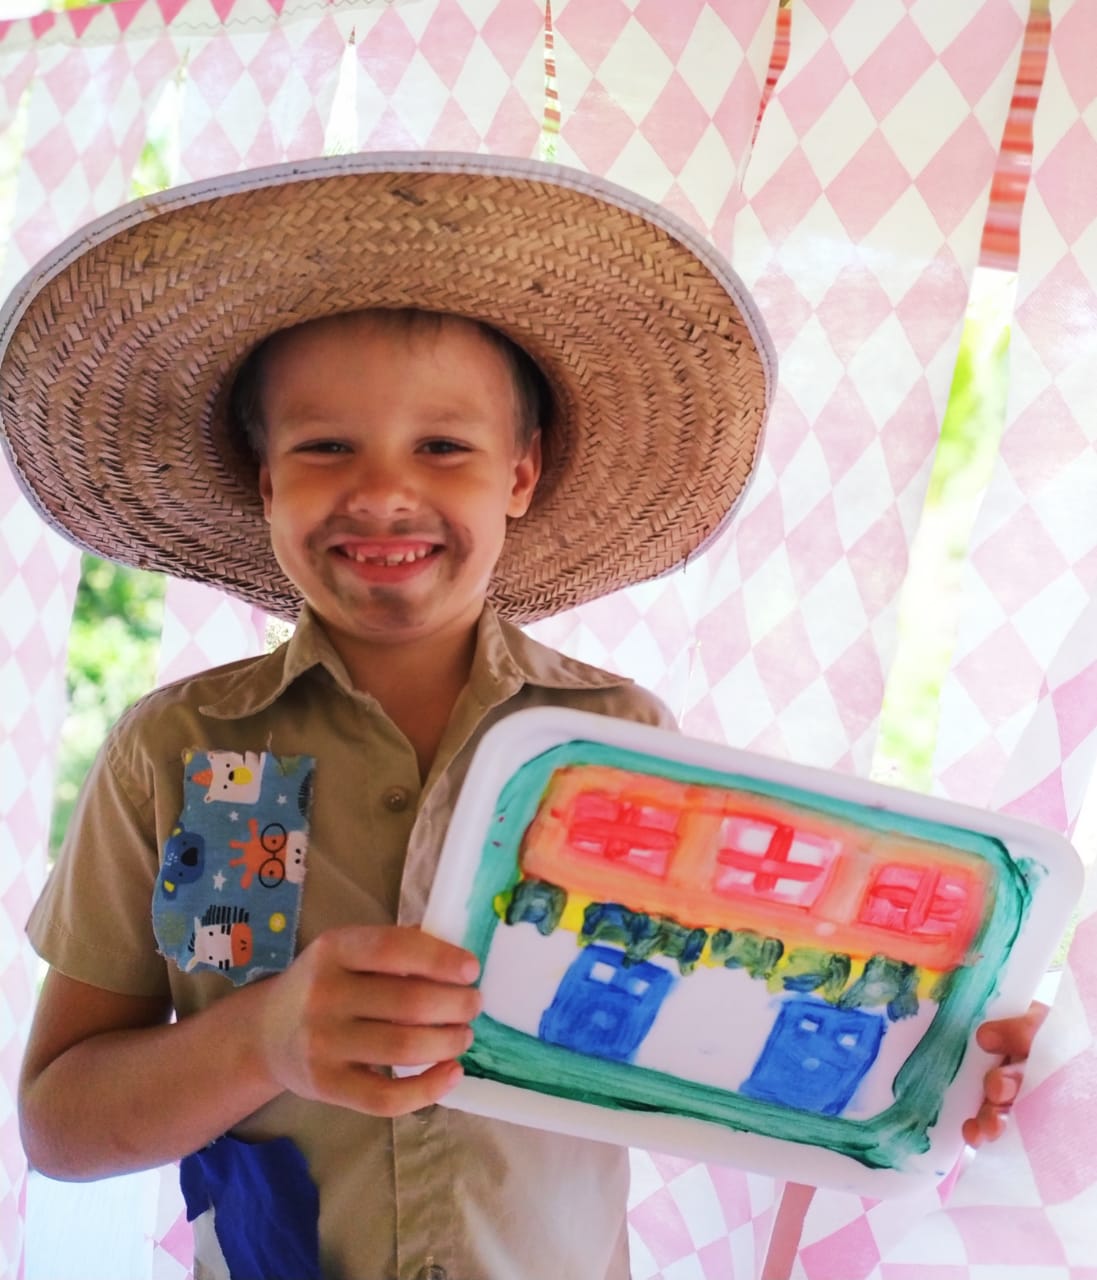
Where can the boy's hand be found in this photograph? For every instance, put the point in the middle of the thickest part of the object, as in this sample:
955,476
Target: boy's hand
361,999
1012,1038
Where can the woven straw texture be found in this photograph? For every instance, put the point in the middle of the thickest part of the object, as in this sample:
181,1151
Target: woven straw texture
114,379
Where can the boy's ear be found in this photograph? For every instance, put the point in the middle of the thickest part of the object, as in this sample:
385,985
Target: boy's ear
527,471
266,490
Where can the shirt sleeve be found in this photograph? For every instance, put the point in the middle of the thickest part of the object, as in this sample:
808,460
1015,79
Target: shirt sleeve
93,920
633,702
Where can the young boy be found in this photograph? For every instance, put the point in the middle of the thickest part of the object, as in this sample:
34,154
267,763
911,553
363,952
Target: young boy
472,390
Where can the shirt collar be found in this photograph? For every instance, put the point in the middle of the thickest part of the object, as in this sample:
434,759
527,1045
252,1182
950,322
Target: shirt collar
506,655
505,660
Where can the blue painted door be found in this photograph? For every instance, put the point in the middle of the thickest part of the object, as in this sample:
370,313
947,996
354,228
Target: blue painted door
604,1007
815,1056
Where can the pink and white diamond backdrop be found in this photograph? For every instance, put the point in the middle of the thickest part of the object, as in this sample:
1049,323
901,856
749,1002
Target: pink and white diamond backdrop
465,76
75,165
1033,568
855,214
866,193
666,106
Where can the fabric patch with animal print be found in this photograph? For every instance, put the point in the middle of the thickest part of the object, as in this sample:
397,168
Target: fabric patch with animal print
228,895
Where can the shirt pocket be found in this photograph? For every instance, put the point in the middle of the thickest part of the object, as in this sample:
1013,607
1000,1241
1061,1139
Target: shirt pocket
228,895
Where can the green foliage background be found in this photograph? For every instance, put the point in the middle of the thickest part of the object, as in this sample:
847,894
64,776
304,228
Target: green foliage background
114,644
931,603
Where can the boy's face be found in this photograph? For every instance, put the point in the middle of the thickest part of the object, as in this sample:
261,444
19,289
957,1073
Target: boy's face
391,467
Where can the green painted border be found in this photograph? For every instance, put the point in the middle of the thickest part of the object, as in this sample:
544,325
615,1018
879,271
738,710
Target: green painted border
885,1141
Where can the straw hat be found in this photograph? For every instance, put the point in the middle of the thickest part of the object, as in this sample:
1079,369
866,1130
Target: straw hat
118,350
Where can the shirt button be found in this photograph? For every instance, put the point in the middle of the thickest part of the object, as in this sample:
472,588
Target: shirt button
395,800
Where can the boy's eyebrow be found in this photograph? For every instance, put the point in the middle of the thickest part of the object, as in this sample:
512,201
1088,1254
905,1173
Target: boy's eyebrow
300,419
303,416
453,413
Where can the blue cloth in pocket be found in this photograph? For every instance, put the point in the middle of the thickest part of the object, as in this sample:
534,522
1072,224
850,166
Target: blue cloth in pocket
266,1206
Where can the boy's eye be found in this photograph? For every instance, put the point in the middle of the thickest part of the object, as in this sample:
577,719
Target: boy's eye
442,447
322,446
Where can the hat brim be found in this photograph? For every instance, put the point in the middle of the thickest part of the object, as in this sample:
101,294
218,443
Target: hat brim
116,353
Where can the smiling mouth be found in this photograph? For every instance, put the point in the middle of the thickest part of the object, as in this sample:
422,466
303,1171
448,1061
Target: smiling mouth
398,557
388,557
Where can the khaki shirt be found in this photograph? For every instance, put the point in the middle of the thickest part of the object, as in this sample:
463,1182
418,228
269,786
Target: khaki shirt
440,1193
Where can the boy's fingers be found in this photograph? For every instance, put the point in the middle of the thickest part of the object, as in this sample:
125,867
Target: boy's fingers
382,1095
1012,1037
987,1126
380,1044
409,1001
1002,1086
374,1092
401,951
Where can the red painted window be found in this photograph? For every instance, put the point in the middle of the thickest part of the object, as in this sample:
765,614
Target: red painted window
761,858
917,901
627,832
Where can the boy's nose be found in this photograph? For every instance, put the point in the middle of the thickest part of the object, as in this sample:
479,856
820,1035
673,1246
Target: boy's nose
381,490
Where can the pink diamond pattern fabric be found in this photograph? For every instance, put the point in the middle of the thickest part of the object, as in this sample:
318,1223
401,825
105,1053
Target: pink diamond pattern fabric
855,214
38,574
85,122
76,163
1018,712
1002,1218
203,628
254,93
1033,564
865,192
691,1220
663,101
462,75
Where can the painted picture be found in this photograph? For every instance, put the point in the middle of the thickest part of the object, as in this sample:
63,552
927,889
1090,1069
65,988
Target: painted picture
698,950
